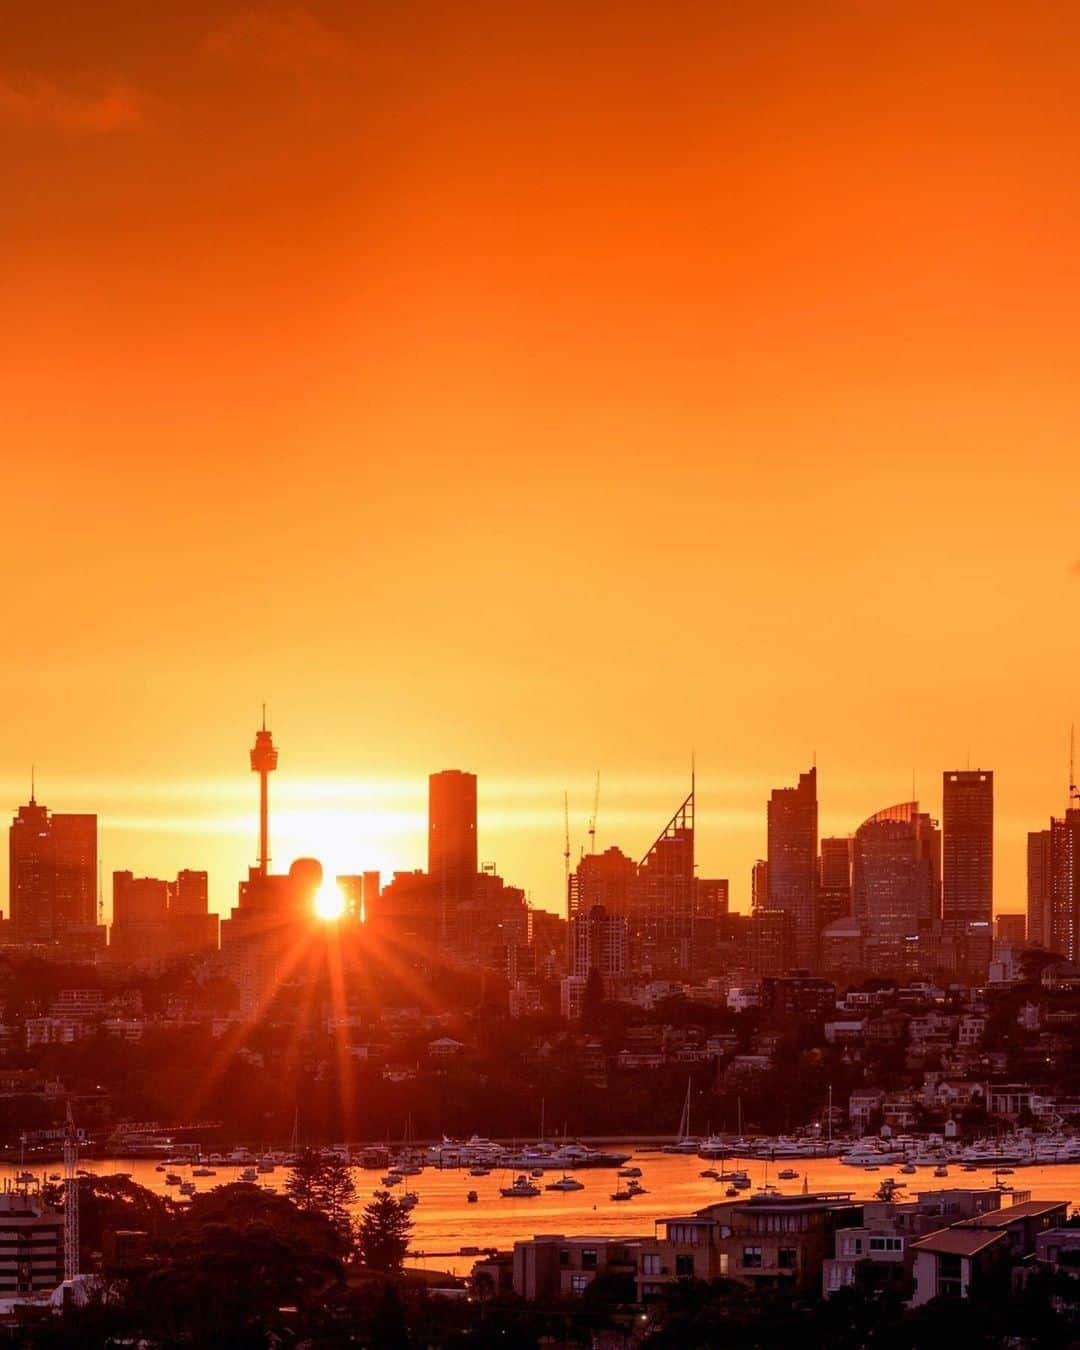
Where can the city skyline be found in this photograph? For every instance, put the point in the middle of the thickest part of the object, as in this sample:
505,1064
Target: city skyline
507,815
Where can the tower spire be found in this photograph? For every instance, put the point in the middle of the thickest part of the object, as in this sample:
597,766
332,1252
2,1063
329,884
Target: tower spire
33,770
264,758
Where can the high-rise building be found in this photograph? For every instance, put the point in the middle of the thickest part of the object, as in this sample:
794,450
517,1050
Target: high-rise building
661,918
834,881
1039,886
793,860
1063,918
896,883
52,874
759,885
154,920
606,879
452,847
1011,928
598,942
968,848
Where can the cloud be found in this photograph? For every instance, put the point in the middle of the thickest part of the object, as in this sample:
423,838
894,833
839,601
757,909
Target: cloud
288,40
36,102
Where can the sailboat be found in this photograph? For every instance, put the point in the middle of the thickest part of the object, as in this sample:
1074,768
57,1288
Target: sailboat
684,1142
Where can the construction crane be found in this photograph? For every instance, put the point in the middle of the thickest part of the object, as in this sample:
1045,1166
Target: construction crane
71,1199
566,836
595,812
1074,792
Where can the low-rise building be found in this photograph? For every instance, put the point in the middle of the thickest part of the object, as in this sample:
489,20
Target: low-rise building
553,1266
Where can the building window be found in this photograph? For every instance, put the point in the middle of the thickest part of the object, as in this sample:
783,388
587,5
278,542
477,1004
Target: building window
949,1276
650,1263
685,1233
751,1258
588,1258
578,1283
684,1266
786,1258
886,1244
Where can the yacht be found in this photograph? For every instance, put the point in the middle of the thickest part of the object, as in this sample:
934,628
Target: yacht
248,1174
522,1187
636,1172
787,1174
203,1172
867,1153
565,1183
628,1194
684,1142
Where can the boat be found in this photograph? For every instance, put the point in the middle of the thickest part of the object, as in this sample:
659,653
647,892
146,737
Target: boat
969,1167
25,1178
909,1169
409,1200
472,1197
248,1174
636,1172
636,1188
565,1183
55,1176
393,1178
708,1172
522,1187
941,1170
787,1174
161,1168
479,1171
265,1166
187,1188
623,1195
888,1188
203,1172
684,1142
537,1172
171,1179
731,1192
1003,1171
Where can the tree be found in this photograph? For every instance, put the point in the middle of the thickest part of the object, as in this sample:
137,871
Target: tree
302,1186
335,1192
384,1232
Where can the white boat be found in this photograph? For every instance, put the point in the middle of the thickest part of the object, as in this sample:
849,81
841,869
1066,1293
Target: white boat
684,1142
787,1174
522,1187
248,1174
565,1183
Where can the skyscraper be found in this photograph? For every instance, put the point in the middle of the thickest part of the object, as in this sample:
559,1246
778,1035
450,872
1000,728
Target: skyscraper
793,860
834,881
968,848
452,847
1063,918
52,873
1039,885
896,884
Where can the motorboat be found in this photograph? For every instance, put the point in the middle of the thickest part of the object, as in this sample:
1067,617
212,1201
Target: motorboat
787,1174
537,1172
624,1195
479,1171
187,1188
203,1172
632,1172
472,1197
909,1169
636,1188
171,1179
731,1192
522,1187
710,1172
565,1183
248,1174
941,1170
409,1200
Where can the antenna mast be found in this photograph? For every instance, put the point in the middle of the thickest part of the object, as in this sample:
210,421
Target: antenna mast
71,1199
1074,792
595,812
566,838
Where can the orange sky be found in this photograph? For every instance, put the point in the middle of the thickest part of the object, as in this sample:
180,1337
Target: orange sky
535,388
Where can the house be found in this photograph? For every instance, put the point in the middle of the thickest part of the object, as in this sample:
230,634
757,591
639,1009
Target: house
962,1259
862,1104
958,1262
445,1048
766,1242
553,1266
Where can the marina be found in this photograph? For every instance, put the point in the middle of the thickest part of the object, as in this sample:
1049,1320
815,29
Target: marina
446,1220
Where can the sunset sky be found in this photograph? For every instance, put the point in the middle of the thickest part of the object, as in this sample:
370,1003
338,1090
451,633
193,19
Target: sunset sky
536,388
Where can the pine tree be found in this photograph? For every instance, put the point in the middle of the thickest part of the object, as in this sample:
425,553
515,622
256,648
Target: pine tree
335,1192
385,1230
302,1186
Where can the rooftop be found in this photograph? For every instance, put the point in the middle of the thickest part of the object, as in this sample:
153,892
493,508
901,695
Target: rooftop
1002,1218
957,1241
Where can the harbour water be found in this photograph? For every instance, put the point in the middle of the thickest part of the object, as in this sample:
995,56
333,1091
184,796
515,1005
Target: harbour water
444,1221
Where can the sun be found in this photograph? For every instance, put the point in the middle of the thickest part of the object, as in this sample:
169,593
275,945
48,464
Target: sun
329,902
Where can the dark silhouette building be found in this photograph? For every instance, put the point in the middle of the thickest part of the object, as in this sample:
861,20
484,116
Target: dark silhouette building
452,845
967,894
1039,886
793,861
834,881
52,874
